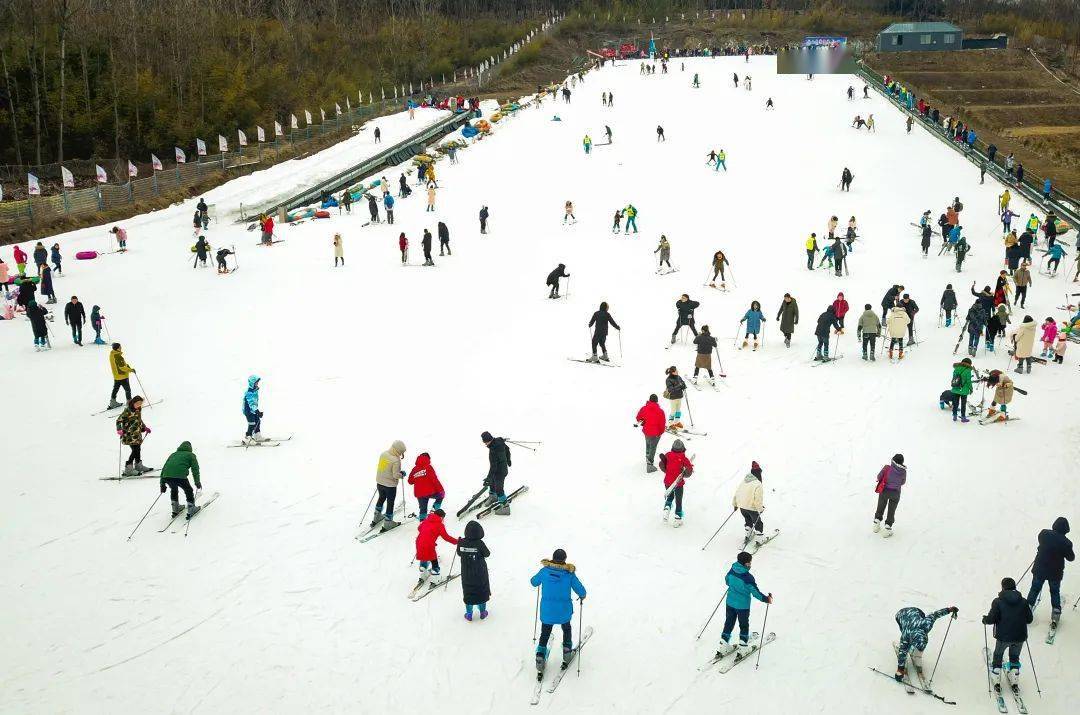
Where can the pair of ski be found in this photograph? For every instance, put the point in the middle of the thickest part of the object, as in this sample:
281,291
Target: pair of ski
999,698
999,417
585,636
756,545
910,688
187,519
685,433
588,361
824,360
113,411
370,532
722,288
122,478
263,442
509,498
727,662
668,272
419,591
711,383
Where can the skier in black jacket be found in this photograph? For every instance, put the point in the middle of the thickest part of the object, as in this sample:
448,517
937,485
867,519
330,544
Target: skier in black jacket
889,300
686,308
824,322
948,304
553,279
1054,550
37,315
601,319
426,243
473,552
1010,615
985,299
444,239
75,316
498,468
911,308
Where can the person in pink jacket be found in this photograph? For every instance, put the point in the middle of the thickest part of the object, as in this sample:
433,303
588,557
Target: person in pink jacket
121,237
1049,334
4,276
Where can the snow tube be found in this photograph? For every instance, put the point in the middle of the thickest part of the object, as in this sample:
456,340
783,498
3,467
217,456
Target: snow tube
1062,227
330,202
469,132
322,214
86,255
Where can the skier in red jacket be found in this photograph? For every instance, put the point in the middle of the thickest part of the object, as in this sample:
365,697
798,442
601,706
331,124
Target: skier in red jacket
651,419
430,530
842,307
403,246
677,467
426,485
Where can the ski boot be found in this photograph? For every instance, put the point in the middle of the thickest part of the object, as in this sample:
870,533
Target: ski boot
672,339
712,382
388,524
567,654
678,520
787,342
759,538
755,345
468,616
113,404
864,356
890,353
541,658
175,509
900,356
887,532
192,510
942,405
503,509
142,469
724,649
483,615
667,513
130,471
948,322
605,358
1055,616
490,500
877,525
964,419
744,344
650,468
377,519
742,650
592,359
990,347
817,357
693,380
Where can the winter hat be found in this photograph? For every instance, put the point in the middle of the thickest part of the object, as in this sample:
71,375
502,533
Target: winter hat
755,469
1029,319
559,556
966,361
867,307
677,446
743,558
485,436
398,446
1007,584
898,458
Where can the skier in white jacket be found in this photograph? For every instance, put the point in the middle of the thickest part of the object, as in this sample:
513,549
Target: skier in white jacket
749,499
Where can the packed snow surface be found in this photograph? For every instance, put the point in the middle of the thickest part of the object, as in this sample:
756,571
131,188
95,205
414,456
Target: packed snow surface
270,605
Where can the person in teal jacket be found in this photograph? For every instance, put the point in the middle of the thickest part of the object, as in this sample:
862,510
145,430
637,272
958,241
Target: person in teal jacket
741,587
753,319
174,476
1056,252
556,580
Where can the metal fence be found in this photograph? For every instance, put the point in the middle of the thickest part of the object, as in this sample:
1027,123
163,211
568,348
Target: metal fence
1031,187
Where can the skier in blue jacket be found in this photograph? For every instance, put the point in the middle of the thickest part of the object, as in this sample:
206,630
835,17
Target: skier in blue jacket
741,587
914,631
753,319
251,411
556,580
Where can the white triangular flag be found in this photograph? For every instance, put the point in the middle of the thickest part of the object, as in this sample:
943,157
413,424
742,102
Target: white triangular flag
156,162
102,177
33,187
69,178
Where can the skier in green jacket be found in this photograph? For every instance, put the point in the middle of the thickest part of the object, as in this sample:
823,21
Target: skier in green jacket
174,475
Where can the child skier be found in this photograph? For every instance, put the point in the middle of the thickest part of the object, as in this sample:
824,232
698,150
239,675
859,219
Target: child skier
753,319
1060,343
130,428
568,215
719,260
674,388
426,485
664,249
251,411
705,343
1003,394
553,279
741,586
95,322
174,476
616,224
403,246
749,499
677,467
556,579
840,305
473,554
222,262
430,531
914,632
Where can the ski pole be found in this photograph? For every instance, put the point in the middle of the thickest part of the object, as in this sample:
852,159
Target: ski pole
119,460
761,644
1025,571
536,617
524,446
689,413
1077,603
371,501
146,396
719,364
144,516
718,530
581,618
450,572
404,498
620,344
1032,661
567,294
732,272
738,330
934,671
986,647
722,597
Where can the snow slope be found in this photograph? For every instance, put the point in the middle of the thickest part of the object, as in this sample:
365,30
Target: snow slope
269,605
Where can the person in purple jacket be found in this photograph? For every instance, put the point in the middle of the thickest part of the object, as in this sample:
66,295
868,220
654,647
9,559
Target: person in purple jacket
889,481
